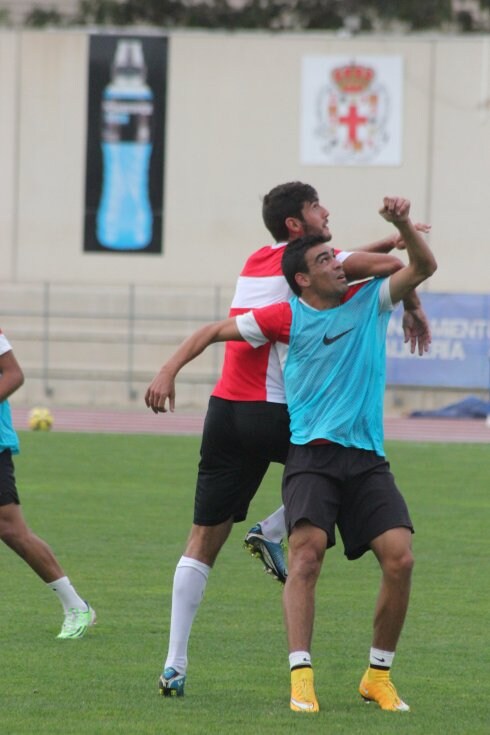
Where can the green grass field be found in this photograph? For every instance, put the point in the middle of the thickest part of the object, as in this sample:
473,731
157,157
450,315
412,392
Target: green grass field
116,510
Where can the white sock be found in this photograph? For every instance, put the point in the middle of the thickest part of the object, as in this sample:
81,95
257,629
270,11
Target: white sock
274,526
190,580
381,659
299,658
67,594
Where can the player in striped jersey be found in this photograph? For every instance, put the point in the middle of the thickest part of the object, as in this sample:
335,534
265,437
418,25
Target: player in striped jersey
247,423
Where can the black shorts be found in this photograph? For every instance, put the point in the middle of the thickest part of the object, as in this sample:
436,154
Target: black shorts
328,484
8,489
240,439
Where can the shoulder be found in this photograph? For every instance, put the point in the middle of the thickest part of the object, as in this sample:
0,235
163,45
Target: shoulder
264,262
274,313
267,324
274,321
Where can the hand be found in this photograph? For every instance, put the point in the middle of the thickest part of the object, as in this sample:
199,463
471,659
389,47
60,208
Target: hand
161,389
395,209
416,330
399,242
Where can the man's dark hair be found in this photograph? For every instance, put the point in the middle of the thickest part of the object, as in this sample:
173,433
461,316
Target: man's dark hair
294,261
283,201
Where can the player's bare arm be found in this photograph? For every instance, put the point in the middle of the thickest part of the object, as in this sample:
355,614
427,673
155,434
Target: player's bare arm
392,242
373,261
162,388
422,263
362,264
365,264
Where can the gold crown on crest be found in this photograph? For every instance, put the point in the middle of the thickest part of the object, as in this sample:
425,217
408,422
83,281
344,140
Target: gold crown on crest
353,78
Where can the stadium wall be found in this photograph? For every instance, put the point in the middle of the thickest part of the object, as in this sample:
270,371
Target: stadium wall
233,132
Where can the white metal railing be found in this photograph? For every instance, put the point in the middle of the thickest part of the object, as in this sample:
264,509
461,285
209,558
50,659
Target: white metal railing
63,332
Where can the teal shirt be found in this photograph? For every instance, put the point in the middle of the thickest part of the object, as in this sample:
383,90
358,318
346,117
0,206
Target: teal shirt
335,371
8,437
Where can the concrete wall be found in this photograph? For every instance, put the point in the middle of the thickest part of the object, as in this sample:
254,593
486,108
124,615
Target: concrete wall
233,129
233,133
9,151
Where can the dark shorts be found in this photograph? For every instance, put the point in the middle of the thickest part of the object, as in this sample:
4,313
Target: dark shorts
8,489
330,485
240,439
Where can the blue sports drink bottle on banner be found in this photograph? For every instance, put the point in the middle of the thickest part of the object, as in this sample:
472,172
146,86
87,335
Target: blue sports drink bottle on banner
124,216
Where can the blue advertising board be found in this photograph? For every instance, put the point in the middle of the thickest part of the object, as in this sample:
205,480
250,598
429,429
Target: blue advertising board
459,356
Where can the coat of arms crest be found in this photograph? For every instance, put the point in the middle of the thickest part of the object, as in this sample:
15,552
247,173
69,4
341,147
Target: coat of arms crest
352,114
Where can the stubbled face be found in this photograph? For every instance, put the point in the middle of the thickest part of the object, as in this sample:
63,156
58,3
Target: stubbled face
325,276
315,220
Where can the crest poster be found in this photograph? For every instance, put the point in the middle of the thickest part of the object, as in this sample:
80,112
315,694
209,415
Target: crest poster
351,110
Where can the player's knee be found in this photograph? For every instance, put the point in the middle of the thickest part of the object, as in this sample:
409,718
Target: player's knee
10,534
400,566
13,528
305,562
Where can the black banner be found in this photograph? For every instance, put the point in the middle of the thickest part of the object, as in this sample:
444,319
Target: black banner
125,144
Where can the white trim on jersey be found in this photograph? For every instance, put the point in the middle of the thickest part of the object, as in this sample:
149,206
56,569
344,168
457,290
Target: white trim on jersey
274,386
282,352
385,302
5,345
342,255
252,292
250,330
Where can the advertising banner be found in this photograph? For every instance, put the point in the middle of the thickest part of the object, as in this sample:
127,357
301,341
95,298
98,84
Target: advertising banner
125,144
460,350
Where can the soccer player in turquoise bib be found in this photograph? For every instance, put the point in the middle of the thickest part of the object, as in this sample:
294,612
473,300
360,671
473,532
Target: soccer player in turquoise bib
247,422
14,532
332,349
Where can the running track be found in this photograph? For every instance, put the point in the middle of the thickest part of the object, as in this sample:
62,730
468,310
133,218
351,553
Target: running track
101,421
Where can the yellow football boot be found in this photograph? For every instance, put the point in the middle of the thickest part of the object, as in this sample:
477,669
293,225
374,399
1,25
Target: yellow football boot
376,686
303,697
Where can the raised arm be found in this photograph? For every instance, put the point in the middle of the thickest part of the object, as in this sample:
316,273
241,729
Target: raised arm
162,387
367,262
374,260
421,262
364,264
392,242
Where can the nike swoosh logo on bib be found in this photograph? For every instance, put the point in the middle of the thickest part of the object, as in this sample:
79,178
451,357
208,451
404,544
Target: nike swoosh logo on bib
330,340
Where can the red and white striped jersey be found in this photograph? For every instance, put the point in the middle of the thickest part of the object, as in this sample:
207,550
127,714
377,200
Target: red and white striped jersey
250,374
